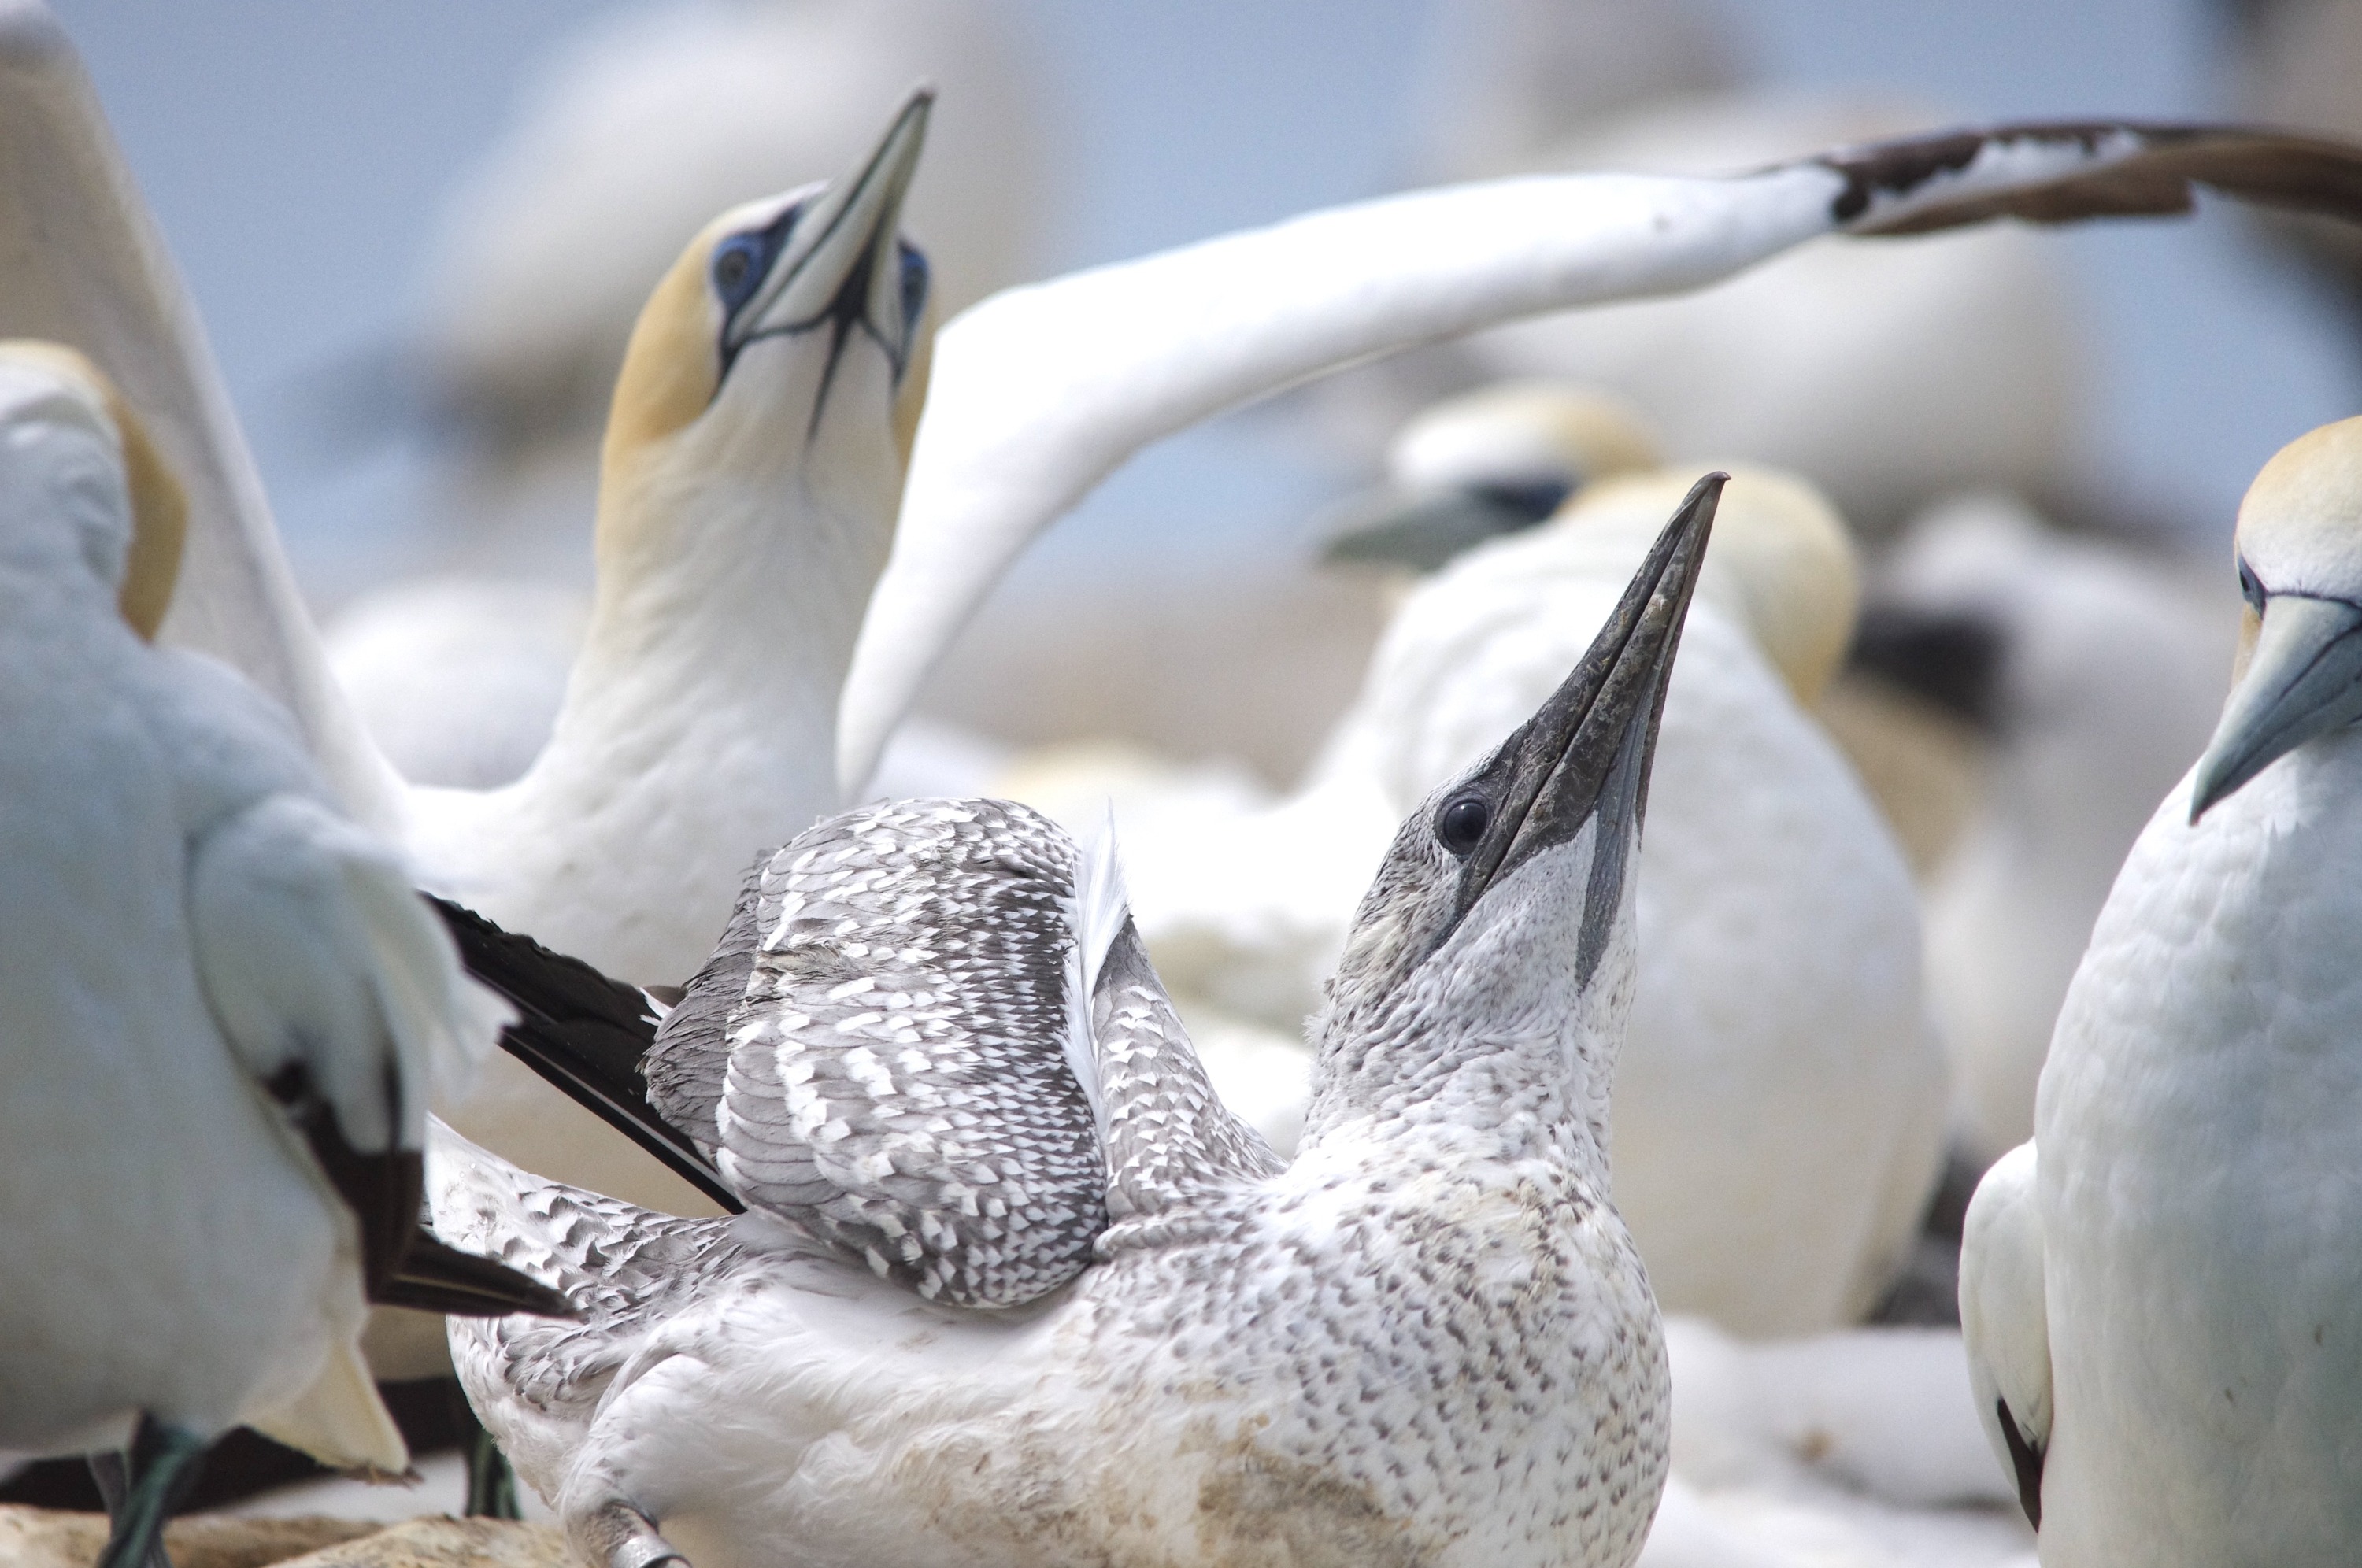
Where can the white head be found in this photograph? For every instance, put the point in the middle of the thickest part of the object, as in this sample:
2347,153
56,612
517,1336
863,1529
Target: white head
83,492
1488,463
1489,968
2300,554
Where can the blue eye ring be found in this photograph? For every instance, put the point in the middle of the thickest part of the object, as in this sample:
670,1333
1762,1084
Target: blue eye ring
2250,588
738,268
915,281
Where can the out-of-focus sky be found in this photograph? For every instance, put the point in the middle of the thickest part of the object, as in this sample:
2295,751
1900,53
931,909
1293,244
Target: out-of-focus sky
297,155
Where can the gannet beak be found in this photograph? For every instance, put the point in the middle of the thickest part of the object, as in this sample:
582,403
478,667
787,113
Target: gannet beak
842,268
1426,530
2304,677
1583,757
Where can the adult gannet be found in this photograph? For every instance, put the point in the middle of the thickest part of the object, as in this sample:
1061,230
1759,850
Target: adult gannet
1014,1287
626,138
1486,463
221,1009
1780,1103
2162,1304
2095,672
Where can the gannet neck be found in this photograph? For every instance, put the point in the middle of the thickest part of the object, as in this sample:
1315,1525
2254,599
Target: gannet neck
1485,984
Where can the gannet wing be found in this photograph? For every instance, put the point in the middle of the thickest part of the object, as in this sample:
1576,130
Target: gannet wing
901,1072
336,991
587,1035
1040,393
82,262
2006,1323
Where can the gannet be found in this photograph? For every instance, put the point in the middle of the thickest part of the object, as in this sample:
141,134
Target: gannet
1781,1099
2160,1292
221,1009
2095,673
1489,462
626,138
1013,1286
1037,394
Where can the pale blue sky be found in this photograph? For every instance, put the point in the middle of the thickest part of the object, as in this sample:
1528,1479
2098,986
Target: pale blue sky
297,155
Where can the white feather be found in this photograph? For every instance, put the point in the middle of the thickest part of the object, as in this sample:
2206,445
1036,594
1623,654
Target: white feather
1097,913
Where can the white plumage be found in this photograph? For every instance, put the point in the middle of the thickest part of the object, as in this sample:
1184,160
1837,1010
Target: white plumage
204,972
2195,1202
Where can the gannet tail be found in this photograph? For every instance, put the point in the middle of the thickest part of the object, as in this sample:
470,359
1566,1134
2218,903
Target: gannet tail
2005,1323
339,1420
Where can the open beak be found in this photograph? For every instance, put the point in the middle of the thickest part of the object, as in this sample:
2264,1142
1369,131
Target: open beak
1583,757
2304,677
1426,530
841,267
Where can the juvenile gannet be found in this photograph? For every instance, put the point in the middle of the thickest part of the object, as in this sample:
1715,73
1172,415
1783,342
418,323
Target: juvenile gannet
1780,1101
2094,672
221,1009
1015,1287
2168,1301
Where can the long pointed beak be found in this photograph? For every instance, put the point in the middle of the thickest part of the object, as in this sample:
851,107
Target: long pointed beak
2305,676
1583,757
1426,530
847,269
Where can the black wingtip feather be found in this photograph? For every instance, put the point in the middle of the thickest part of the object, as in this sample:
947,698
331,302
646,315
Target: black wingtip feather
436,1277
583,1033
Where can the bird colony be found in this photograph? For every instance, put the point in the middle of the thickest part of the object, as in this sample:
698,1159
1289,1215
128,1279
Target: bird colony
1798,1017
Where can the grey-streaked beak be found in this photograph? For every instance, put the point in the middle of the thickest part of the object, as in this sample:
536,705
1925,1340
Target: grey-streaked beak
2304,678
842,266
1425,530
1585,756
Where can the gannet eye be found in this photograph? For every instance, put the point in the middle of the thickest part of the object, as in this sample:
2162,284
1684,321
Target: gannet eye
2251,589
914,283
1462,822
737,263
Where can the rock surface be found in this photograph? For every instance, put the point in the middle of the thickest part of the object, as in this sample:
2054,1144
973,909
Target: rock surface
43,1538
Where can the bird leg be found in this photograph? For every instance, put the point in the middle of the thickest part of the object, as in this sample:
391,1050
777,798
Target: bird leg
620,1536
141,1487
491,1484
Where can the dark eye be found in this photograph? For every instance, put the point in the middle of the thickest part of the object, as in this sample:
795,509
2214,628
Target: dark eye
1462,822
2251,589
737,263
914,284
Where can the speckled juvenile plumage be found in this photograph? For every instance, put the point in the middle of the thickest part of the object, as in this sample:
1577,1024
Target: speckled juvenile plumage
1428,1340
891,1070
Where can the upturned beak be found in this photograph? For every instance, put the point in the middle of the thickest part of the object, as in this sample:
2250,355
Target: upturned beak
841,268
1426,530
2305,676
1583,757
